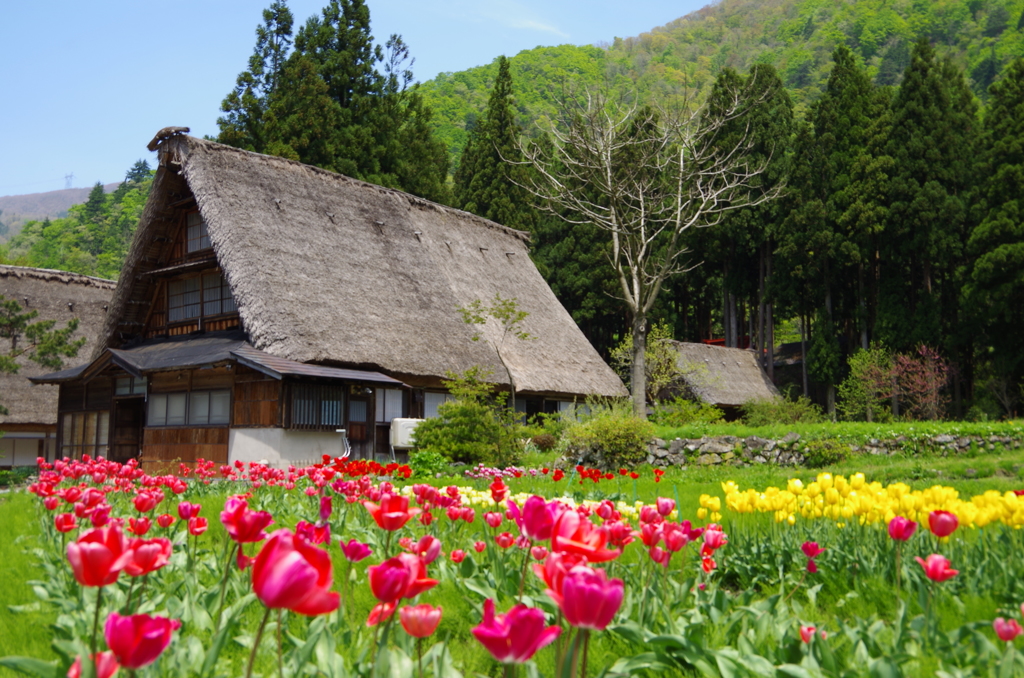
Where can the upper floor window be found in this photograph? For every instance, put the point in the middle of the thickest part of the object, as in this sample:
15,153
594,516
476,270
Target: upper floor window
129,386
198,237
206,295
198,408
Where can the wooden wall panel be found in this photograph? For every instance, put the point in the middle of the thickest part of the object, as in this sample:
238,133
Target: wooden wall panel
256,403
184,445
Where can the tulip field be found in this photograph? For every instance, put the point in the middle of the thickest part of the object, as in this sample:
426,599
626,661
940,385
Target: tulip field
350,568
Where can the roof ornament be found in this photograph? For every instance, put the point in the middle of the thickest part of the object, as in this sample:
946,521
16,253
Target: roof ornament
330,215
165,134
277,201
380,226
418,234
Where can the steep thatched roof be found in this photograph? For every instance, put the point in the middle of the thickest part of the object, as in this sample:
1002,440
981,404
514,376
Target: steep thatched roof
329,270
60,296
722,376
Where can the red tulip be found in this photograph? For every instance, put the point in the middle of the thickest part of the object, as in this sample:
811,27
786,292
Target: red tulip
392,513
574,534
499,490
326,508
504,540
380,612
197,525
51,503
292,574
457,556
674,535
538,553
807,633
106,665
708,564
243,525
355,551
537,518
404,576
144,502
420,621
589,599
812,567
469,514
65,522
479,546
100,515
937,568
315,534
901,529
660,555
1007,630
139,526
516,636
99,555
165,520
811,549
492,519
139,639
148,556
553,572
942,523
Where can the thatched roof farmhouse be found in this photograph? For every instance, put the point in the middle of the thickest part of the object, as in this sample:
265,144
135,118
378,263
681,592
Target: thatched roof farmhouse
724,377
30,427
332,303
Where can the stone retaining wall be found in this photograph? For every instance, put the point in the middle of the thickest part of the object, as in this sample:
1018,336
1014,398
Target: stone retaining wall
789,450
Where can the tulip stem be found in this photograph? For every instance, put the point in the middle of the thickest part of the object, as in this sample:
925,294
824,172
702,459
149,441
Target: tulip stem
128,603
522,573
280,663
96,619
586,649
419,655
256,644
224,585
898,571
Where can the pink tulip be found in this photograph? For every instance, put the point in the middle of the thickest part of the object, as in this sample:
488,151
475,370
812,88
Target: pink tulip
428,548
942,523
144,503
165,520
538,553
674,536
589,599
355,551
937,568
404,576
493,519
197,525
660,555
65,522
326,508
514,637
139,639
291,573
665,506
553,572
901,529
187,510
714,539
649,514
537,518
420,621
807,633
1007,630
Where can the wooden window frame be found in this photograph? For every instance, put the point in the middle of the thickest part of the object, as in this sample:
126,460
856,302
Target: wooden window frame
69,445
187,419
310,413
201,304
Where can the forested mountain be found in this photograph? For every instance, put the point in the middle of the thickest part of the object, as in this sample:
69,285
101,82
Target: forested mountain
16,210
682,58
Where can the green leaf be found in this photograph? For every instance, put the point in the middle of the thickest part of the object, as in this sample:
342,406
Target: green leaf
31,666
883,667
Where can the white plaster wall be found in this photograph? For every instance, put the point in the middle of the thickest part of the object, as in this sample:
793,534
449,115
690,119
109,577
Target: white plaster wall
280,447
22,448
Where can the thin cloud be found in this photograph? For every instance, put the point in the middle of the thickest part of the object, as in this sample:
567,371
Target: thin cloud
508,13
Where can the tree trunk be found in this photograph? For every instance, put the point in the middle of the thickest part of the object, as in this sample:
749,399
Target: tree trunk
803,354
770,320
638,376
863,307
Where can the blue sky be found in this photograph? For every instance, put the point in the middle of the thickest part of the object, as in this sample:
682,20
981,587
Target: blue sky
84,86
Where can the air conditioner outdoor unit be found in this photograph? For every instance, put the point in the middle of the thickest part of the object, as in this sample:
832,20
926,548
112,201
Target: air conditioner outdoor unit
402,431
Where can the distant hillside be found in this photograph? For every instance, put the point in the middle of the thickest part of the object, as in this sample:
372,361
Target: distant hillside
16,210
797,36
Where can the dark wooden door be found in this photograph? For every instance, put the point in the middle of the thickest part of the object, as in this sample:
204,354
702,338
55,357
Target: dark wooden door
126,431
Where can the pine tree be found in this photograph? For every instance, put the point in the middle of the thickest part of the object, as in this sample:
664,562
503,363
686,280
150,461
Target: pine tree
488,181
996,283
245,108
932,145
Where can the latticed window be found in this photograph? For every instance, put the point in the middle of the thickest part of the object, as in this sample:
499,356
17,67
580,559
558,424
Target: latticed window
206,296
316,406
197,408
84,433
198,235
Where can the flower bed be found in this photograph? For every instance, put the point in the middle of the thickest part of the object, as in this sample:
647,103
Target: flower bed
349,569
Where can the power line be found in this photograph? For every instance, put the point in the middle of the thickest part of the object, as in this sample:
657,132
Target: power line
68,178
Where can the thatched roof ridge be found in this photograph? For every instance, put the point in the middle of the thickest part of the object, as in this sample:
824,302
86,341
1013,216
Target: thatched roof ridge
60,296
329,270
723,376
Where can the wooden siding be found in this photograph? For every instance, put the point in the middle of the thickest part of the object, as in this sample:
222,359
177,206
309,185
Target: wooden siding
257,400
184,445
192,380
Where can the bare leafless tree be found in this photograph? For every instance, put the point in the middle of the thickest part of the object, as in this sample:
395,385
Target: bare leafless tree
645,177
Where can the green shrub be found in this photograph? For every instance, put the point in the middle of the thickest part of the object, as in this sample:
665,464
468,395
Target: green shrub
781,411
429,464
818,453
683,412
612,435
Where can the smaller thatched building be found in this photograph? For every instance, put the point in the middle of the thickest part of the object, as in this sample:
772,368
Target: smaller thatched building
725,377
30,427
266,305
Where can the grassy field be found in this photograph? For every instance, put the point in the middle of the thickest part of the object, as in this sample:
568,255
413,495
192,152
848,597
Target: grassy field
24,622
850,432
